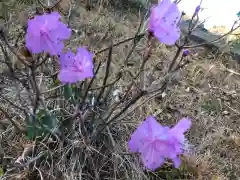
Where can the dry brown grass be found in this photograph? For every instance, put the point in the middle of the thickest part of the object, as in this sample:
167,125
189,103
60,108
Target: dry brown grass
208,91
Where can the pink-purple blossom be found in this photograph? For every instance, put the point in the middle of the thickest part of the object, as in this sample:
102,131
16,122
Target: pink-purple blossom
156,143
186,52
45,33
163,22
198,8
74,68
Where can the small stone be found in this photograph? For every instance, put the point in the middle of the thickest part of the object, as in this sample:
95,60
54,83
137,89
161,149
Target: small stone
164,94
225,113
187,89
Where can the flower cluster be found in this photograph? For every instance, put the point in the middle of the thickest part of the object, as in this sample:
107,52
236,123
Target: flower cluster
45,33
156,143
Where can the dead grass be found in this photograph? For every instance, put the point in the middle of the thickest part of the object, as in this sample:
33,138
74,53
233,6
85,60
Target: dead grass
208,91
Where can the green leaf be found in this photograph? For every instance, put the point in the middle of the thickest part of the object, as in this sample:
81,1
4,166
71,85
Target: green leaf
42,125
77,92
68,92
57,82
32,131
1,172
49,122
209,107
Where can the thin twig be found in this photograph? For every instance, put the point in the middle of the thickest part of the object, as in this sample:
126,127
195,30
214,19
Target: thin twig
106,75
147,54
49,7
121,42
89,85
175,58
35,87
53,89
40,173
128,105
43,61
131,84
136,40
109,84
144,101
33,160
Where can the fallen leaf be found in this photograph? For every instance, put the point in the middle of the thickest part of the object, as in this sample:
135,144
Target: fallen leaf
24,54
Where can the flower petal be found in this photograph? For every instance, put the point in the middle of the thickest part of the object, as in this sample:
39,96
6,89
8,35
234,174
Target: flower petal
66,76
183,125
154,126
157,13
173,15
152,159
138,137
179,129
177,162
169,36
163,22
66,59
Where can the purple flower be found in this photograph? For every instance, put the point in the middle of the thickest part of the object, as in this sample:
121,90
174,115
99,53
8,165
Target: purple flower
186,52
45,34
74,68
198,8
163,22
155,142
